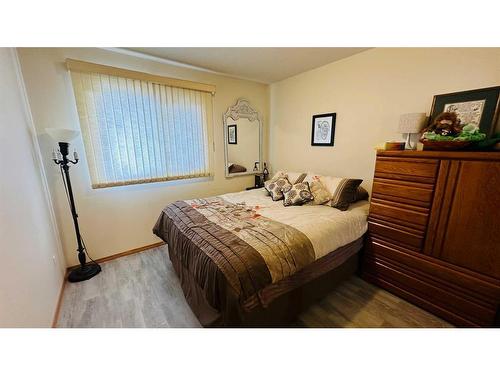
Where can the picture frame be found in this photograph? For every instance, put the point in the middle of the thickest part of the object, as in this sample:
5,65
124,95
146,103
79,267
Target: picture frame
232,134
323,129
479,106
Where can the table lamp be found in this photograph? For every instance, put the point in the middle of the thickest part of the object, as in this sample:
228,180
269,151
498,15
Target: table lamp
411,123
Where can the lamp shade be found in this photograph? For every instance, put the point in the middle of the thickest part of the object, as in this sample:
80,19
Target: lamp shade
411,122
62,134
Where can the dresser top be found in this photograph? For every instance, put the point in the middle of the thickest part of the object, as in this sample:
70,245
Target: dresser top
467,155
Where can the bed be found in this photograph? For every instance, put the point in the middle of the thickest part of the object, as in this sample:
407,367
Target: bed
246,260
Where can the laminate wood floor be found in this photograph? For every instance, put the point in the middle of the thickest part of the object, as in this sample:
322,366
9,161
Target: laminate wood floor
142,290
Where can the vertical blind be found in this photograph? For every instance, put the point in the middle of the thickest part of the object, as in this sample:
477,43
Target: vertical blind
138,131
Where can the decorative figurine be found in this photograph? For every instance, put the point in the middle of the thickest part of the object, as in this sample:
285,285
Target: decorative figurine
447,123
265,172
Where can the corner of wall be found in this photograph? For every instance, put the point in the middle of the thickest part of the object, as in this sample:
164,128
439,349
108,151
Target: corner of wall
36,147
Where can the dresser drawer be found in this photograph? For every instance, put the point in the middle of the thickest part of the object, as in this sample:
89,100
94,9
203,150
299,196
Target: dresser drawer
443,302
465,282
414,239
399,214
401,191
420,170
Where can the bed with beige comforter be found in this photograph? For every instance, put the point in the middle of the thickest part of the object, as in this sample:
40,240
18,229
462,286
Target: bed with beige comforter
240,251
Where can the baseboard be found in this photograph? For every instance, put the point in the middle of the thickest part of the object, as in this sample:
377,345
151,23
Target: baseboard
124,253
59,301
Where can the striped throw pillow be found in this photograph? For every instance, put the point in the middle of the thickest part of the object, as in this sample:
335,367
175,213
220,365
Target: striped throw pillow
345,193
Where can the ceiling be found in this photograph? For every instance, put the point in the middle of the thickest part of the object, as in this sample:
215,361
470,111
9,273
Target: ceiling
266,65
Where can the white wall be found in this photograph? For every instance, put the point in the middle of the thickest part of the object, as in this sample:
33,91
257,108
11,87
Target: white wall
117,219
368,91
32,269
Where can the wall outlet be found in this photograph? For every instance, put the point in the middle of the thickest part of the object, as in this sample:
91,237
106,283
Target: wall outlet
54,259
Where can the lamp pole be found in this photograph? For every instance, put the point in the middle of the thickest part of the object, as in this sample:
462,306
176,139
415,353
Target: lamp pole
86,270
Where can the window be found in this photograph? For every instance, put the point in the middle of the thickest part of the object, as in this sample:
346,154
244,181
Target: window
140,128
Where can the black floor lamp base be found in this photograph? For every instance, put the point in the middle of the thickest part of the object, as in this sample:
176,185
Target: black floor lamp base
86,272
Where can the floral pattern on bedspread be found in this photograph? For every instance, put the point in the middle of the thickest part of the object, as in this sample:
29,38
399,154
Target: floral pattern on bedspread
284,249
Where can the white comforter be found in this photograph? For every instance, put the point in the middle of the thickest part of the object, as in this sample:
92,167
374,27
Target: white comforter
326,227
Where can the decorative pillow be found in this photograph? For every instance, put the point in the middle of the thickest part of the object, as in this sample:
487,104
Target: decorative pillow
275,187
331,183
312,176
345,193
297,194
293,177
319,192
279,174
236,168
300,178
362,194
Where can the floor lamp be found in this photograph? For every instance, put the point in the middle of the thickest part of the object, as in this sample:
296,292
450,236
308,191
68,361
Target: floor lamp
63,136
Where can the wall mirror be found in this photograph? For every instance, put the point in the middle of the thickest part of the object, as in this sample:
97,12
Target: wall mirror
242,140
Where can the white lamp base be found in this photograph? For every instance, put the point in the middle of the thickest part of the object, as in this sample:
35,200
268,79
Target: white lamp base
408,145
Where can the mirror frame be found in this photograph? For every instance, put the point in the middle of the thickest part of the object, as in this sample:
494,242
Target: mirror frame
242,109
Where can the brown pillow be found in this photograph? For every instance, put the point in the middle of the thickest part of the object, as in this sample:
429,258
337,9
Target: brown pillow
362,194
275,187
297,194
345,193
236,168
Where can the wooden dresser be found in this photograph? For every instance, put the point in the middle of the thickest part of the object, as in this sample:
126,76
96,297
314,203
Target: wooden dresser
434,232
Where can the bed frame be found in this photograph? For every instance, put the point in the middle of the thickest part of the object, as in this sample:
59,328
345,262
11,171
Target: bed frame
291,295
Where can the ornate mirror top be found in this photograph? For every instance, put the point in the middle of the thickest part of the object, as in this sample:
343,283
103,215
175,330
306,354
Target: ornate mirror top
242,109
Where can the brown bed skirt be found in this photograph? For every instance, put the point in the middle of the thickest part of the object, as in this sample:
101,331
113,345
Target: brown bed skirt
276,305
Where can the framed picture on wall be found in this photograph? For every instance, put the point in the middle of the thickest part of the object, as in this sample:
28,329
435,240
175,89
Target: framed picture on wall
232,135
478,107
323,129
